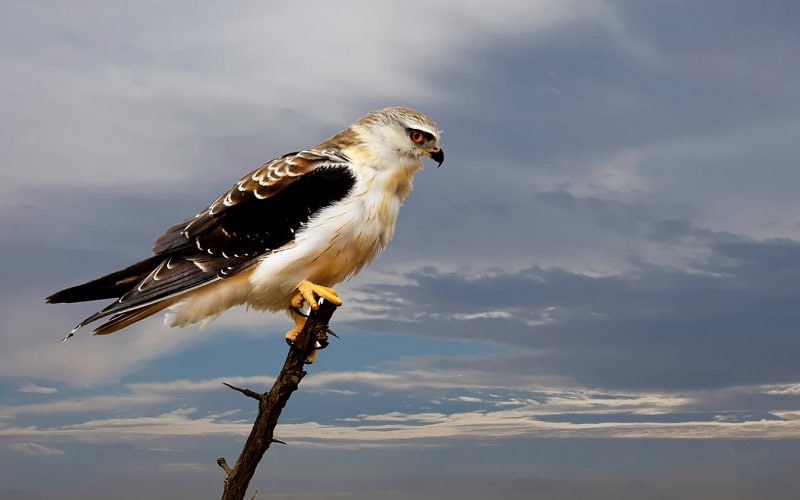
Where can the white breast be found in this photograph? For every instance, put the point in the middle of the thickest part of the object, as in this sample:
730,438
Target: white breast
336,243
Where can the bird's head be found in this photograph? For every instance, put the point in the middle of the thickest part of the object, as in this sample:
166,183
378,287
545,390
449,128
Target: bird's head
399,134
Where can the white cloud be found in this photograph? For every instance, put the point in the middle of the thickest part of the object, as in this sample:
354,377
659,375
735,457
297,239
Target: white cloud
522,422
783,390
174,423
37,389
403,380
397,427
496,415
482,315
37,449
469,399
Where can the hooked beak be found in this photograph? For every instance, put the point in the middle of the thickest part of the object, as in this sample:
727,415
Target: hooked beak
438,157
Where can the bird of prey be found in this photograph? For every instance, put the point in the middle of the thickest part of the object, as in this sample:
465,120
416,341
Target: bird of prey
280,237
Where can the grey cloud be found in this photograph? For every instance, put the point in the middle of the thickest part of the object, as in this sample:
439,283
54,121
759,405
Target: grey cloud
729,321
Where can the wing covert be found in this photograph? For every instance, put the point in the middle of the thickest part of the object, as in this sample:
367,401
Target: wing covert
264,209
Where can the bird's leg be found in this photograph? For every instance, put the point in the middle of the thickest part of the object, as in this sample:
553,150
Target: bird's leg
307,292
299,322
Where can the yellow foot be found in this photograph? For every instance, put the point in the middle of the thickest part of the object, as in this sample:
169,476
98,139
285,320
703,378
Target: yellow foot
291,336
308,292
299,323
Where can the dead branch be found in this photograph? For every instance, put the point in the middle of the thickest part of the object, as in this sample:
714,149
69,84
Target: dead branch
271,403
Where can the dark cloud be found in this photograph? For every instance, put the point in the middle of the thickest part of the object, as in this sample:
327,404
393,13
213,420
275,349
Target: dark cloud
729,321
583,90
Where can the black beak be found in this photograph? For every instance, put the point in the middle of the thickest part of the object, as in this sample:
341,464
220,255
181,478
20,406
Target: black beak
438,157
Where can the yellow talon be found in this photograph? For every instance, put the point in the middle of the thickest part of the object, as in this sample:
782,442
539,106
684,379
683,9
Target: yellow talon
299,323
291,335
308,293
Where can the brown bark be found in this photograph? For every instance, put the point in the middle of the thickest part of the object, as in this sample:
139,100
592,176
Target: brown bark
272,402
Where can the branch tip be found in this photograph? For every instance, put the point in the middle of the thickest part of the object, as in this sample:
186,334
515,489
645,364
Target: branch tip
246,392
222,463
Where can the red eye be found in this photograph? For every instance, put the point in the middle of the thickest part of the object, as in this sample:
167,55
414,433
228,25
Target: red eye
416,137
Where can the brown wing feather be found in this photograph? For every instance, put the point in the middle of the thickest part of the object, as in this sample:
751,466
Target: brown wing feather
264,182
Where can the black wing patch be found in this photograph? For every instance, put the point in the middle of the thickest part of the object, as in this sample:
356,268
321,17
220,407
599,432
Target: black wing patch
256,226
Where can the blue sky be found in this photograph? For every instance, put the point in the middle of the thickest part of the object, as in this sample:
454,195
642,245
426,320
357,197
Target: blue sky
596,295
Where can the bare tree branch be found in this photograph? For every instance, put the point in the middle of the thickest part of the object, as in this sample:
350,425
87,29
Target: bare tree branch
270,404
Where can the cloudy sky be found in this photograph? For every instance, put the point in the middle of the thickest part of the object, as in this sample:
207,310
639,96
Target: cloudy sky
596,295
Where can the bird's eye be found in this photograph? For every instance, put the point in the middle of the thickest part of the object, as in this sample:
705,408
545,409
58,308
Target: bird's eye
416,137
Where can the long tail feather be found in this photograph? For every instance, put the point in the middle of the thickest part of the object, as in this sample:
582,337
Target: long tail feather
110,286
122,320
